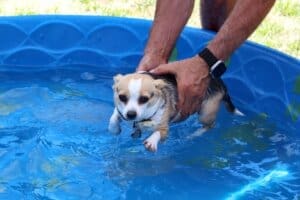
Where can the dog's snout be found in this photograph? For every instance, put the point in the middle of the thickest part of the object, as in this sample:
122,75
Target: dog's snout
131,114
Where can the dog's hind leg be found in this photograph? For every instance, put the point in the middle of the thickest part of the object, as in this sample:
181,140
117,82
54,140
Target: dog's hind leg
230,107
207,114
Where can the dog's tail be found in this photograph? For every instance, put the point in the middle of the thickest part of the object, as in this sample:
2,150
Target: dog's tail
230,107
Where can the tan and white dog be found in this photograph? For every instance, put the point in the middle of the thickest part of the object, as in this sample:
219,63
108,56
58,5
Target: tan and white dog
149,101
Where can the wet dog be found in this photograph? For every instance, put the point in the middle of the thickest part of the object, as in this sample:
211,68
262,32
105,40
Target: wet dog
149,101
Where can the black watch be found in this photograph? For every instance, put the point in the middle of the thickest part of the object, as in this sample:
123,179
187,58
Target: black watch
216,67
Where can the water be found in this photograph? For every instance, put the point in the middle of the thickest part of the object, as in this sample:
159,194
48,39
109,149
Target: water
54,144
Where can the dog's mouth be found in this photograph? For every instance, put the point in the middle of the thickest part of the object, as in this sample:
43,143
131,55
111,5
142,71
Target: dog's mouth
136,117
144,120
134,120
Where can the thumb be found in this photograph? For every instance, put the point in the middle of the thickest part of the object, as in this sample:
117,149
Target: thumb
141,68
163,69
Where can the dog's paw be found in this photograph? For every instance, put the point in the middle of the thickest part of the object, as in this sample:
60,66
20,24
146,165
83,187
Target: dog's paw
114,128
151,143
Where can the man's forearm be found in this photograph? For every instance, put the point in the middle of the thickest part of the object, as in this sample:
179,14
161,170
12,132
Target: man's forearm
241,23
170,18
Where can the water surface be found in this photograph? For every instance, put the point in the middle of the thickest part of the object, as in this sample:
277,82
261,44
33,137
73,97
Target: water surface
54,144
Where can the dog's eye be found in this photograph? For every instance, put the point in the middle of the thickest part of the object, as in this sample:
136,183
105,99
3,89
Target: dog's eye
143,99
123,98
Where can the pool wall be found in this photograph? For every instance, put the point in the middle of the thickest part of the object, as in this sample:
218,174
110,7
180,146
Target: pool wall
259,79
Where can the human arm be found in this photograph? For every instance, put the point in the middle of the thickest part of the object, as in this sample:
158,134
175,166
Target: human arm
240,24
192,73
170,18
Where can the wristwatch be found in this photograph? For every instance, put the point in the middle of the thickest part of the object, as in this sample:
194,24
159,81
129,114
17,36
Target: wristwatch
216,67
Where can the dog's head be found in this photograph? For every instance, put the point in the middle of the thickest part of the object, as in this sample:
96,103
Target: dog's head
137,96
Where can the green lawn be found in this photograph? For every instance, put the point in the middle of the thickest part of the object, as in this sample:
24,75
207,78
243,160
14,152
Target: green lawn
280,30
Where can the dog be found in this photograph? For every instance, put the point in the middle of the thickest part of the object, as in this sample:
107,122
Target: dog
149,101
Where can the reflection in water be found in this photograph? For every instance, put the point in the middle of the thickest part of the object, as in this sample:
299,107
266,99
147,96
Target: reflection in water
273,176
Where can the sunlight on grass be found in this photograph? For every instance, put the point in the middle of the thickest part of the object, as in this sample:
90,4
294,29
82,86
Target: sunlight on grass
280,30
288,8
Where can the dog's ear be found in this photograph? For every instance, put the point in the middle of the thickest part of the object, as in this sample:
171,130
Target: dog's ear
117,78
159,84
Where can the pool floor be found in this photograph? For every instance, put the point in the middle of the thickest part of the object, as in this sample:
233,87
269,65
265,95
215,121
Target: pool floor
54,144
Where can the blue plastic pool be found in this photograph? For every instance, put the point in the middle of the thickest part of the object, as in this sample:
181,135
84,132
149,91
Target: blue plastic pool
56,100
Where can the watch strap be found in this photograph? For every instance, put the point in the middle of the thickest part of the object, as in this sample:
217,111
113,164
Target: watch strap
216,67
208,57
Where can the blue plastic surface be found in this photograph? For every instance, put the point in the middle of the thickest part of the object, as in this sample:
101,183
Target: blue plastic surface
259,78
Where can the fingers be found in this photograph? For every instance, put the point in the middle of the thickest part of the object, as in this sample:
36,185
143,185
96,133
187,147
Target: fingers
150,61
181,105
186,106
143,68
190,97
164,69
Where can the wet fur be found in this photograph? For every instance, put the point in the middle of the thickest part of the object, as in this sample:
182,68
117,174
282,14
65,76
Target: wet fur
167,91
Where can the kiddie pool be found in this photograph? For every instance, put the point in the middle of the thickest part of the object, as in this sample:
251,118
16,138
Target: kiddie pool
56,98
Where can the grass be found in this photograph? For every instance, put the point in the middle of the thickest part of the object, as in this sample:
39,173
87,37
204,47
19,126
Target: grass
280,29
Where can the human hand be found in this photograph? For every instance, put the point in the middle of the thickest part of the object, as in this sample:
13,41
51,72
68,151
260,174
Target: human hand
192,76
150,61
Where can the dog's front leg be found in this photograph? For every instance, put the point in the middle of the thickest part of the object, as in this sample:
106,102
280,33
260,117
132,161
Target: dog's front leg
114,122
151,142
136,131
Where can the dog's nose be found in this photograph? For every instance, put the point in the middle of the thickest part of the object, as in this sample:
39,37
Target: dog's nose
131,114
